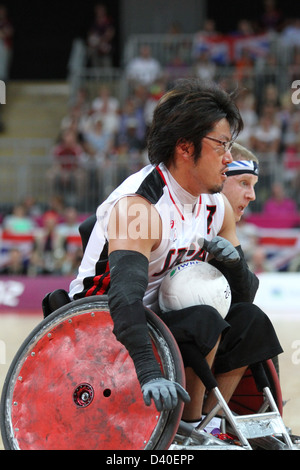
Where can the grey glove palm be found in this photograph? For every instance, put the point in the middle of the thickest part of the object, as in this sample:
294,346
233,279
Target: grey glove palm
164,393
222,250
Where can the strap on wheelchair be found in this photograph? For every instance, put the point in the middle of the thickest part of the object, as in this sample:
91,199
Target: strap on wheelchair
206,374
260,376
54,300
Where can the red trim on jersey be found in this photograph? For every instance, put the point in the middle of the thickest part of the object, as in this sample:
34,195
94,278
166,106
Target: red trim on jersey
171,197
199,206
96,284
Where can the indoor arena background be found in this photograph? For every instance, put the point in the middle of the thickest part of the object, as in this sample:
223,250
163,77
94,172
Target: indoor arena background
61,100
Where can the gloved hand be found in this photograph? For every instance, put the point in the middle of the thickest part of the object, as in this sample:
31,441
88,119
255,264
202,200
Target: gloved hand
221,249
164,393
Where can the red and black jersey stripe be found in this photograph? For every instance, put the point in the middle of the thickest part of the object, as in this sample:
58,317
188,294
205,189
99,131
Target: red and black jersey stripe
99,283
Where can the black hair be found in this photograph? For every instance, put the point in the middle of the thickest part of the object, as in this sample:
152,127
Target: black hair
188,112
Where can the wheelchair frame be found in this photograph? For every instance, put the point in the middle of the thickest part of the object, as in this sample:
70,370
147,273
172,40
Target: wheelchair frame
72,385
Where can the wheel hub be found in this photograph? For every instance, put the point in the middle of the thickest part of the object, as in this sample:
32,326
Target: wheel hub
83,395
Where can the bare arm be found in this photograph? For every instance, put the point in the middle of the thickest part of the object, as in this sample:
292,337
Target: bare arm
134,230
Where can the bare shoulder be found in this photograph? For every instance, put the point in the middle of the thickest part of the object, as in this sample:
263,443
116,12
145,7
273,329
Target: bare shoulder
134,224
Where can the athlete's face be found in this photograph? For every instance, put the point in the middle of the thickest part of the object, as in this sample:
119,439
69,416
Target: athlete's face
212,165
239,190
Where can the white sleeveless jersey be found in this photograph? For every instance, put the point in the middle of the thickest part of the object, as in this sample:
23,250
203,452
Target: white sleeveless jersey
182,226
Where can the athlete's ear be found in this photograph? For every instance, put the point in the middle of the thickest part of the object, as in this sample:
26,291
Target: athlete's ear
185,148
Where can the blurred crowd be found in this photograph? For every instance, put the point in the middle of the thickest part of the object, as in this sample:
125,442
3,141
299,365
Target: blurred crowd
101,140
41,241
97,136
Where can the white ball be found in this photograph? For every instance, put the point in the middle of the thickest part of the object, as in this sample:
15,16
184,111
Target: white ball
194,283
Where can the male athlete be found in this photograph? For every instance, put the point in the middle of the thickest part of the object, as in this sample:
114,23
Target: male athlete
242,176
239,188
152,222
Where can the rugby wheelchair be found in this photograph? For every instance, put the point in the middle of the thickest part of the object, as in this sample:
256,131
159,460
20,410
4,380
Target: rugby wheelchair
72,386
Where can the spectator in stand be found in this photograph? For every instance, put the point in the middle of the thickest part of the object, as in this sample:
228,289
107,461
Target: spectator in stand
33,208
139,95
291,160
272,18
107,107
76,121
121,155
294,265
81,100
292,124
259,262
280,207
15,264
105,102
130,145
294,66
69,226
48,251
246,104
175,69
291,33
100,140
77,114
290,115
243,67
130,137
18,222
177,50
143,69
100,39
68,234
271,97
266,136
131,111
244,29
57,205
71,262
18,232
267,71
209,29
284,116
97,160
155,93
205,40
203,67
67,170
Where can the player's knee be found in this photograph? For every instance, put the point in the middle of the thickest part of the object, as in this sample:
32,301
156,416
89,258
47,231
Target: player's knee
251,313
201,315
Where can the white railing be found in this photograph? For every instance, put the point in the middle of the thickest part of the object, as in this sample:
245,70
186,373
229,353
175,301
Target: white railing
25,173
177,56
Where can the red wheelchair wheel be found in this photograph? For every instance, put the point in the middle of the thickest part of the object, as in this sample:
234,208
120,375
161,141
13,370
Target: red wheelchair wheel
73,386
247,399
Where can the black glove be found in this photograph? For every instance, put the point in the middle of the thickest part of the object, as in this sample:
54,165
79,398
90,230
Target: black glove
222,250
164,393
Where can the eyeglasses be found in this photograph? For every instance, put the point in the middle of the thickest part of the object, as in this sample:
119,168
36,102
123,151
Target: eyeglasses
226,144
